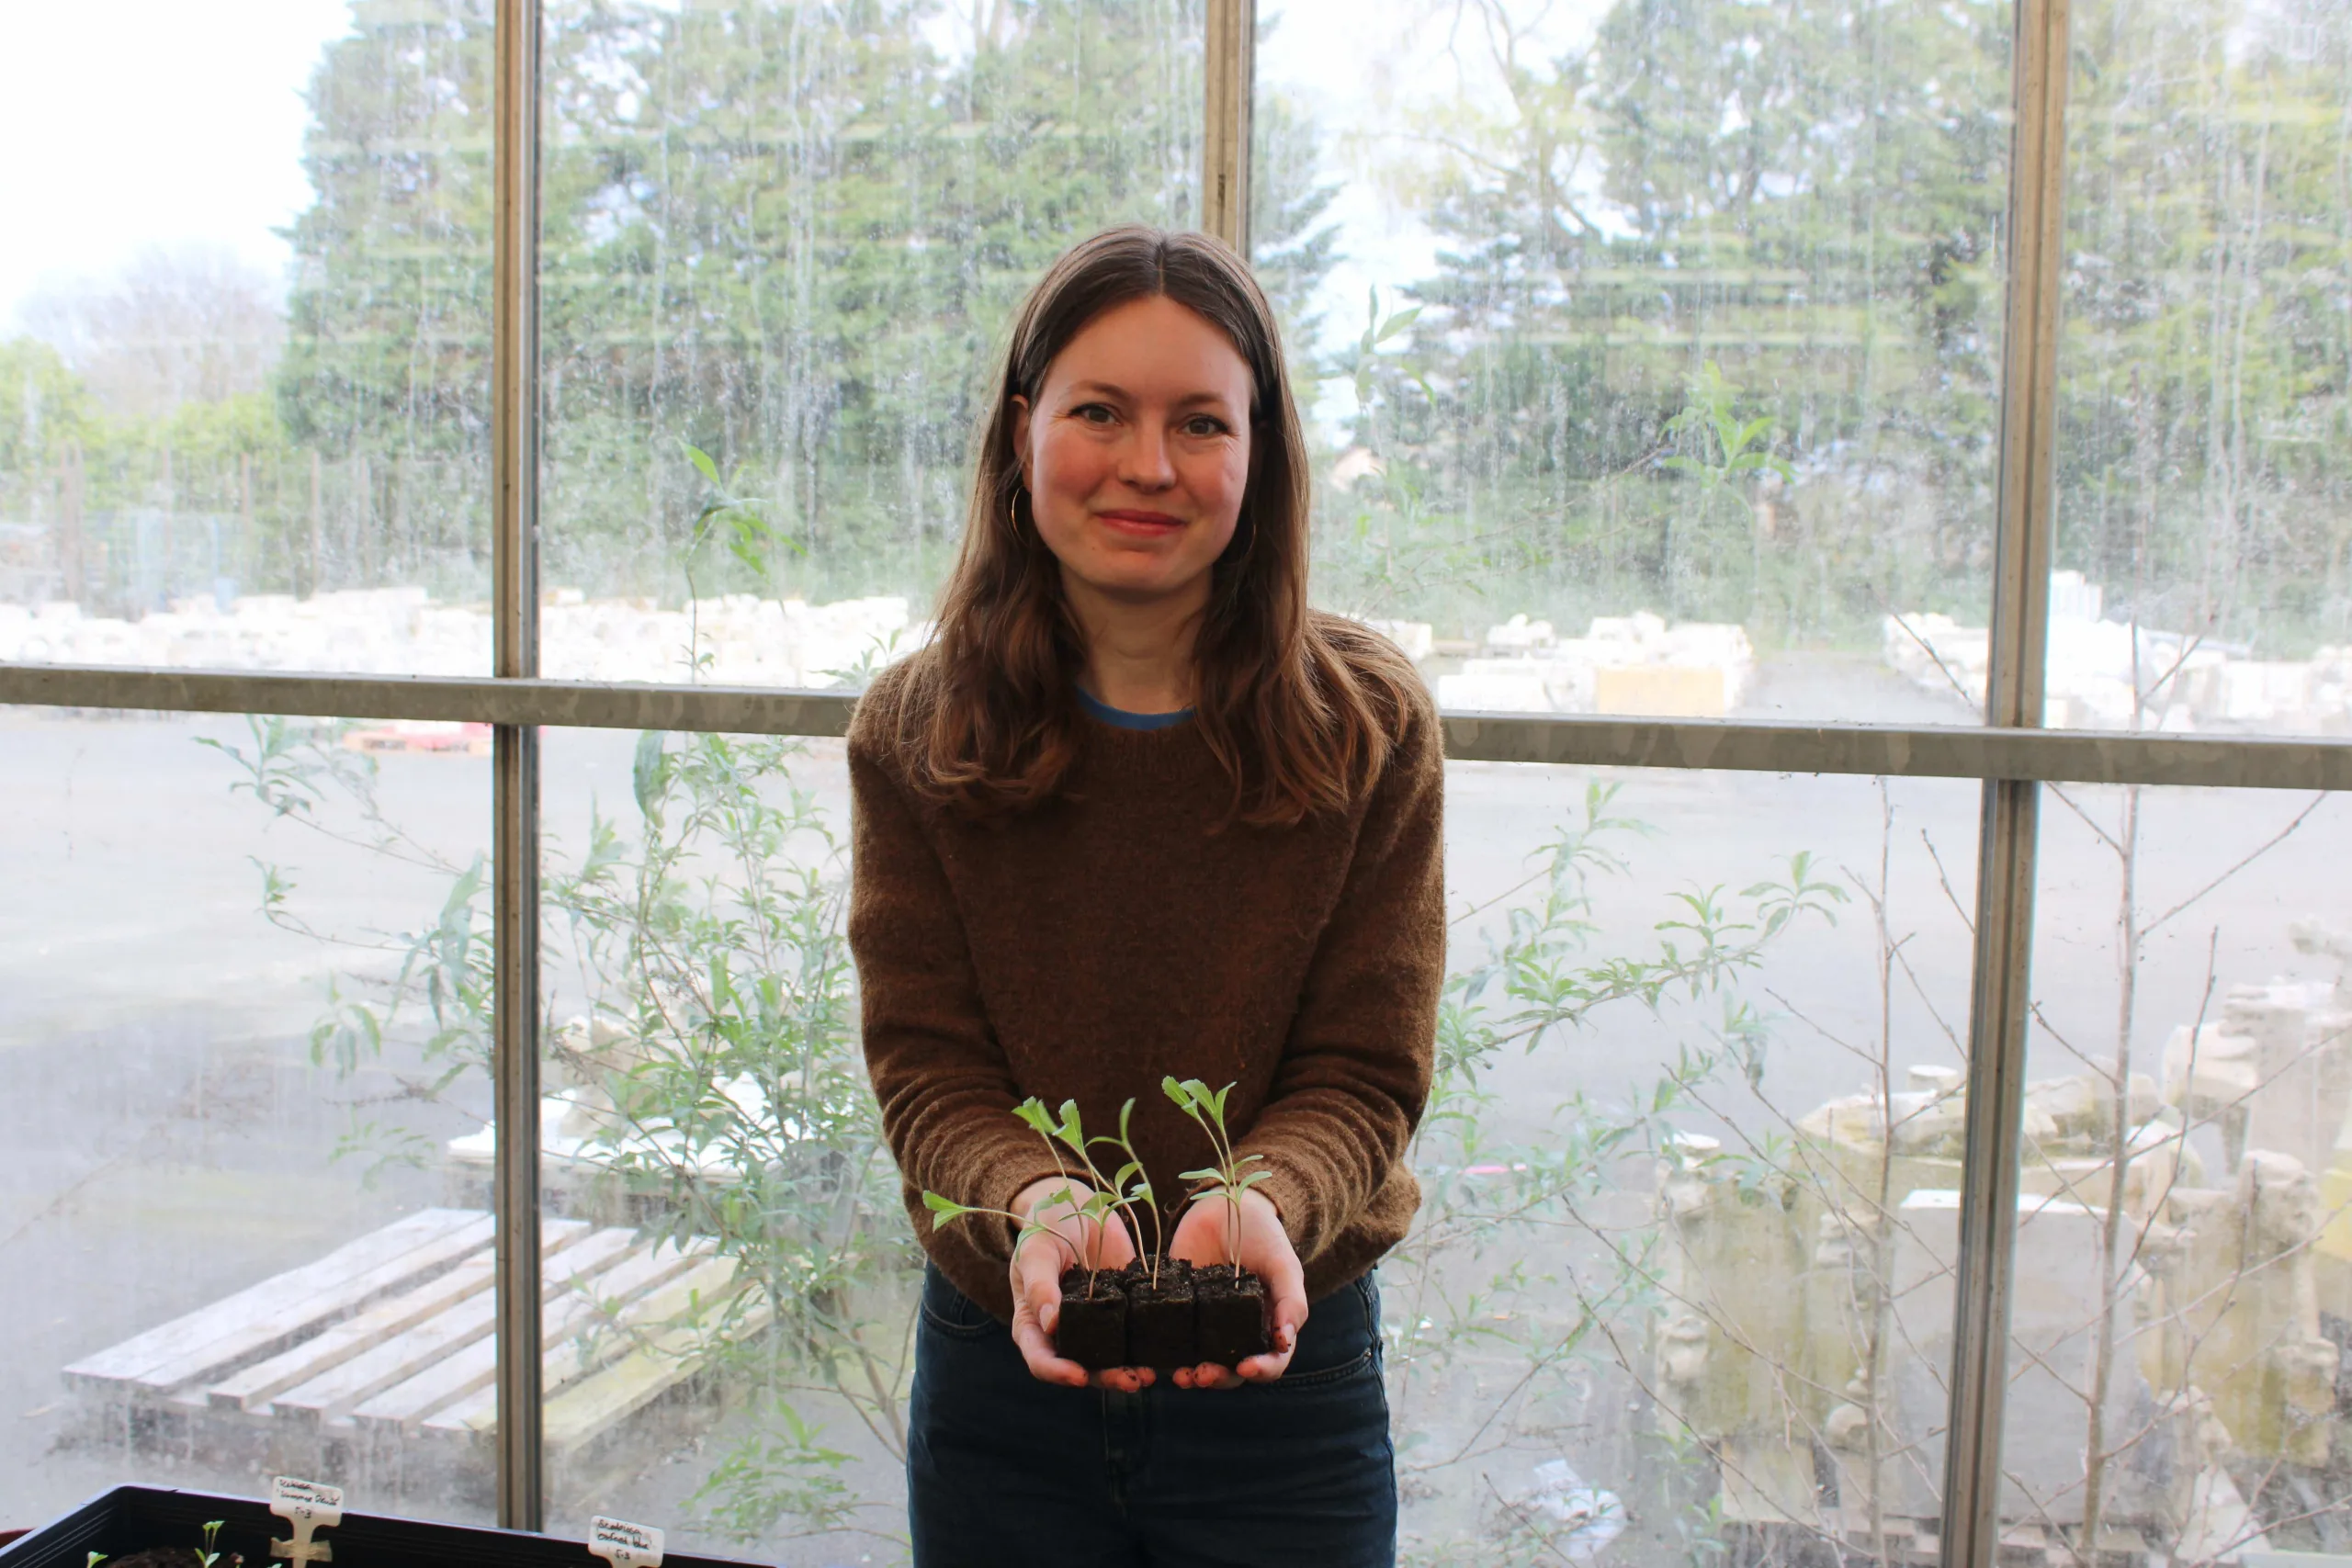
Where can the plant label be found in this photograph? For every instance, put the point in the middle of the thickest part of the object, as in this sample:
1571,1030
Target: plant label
625,1545
308,1506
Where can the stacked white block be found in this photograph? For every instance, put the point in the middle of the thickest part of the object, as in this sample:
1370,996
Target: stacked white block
740,640
1623,664
2095,666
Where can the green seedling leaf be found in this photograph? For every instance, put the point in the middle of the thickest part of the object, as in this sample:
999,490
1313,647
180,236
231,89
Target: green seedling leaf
1202,1176
701,460
647,775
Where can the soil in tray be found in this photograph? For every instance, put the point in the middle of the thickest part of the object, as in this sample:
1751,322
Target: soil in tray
1232,1314
1092,1329
170,1557
1159,1316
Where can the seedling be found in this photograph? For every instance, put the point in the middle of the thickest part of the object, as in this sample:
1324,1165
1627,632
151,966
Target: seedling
1233,1317
1093,1329
1071,1131
1132,1187
945,1211
1228,1178
206,1556
1135,1320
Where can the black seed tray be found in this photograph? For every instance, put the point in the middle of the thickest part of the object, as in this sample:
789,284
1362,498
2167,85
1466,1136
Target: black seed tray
132,1518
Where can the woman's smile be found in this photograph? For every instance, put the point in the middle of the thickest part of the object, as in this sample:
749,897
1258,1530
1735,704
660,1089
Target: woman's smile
1139,523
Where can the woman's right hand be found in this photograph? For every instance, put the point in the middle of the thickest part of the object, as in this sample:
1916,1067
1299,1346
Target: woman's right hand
1037,1268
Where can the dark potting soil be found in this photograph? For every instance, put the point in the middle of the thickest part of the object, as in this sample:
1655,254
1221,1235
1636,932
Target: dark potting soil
1159,1316
1232,1314
1092,1329
171,1557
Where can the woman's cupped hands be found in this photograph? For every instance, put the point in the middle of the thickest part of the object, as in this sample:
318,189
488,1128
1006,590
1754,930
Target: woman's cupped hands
1215,1229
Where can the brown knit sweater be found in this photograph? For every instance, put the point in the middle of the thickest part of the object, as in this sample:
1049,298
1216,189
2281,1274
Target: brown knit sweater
1085,949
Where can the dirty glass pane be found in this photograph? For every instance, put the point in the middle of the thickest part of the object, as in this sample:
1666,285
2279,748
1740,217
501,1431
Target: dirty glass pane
1653,344
244,338
2205,372
1641,1295
2173,1366
781,245
743,1262
1652,1294
228,1248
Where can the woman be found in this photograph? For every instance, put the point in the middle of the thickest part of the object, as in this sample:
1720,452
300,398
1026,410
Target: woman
1137,811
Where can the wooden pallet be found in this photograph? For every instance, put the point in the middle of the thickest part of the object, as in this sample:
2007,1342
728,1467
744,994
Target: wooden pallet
387,1341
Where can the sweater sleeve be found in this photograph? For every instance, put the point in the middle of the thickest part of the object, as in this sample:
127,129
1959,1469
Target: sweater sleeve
1355,1070
945,1089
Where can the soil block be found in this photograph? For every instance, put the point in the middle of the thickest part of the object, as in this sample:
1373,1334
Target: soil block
1092,1329
1233,1315
1159,1316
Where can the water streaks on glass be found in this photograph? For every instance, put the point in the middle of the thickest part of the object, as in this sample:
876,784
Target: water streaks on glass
1670,326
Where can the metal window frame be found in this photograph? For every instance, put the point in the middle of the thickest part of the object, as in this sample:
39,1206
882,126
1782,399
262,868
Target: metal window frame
2008,830
1927,752
1229,77
2010,753
514,797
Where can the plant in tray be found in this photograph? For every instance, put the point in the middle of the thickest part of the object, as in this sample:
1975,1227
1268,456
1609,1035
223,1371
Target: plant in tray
1232,1314
208,1555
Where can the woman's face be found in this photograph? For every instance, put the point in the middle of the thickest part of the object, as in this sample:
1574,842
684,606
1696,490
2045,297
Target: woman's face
1137,452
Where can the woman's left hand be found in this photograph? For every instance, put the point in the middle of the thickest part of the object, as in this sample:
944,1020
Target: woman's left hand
1202,1238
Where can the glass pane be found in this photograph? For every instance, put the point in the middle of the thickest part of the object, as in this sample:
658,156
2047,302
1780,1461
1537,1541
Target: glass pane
2205,373
780,244
2172,1376
244,339
709,1119
1645,1281
226,1246
1668,1268
1654,347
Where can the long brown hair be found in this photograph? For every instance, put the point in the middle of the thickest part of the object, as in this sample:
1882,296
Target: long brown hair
1300,708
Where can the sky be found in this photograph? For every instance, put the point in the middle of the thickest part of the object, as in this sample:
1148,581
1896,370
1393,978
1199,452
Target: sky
137,122
1361,68
166,122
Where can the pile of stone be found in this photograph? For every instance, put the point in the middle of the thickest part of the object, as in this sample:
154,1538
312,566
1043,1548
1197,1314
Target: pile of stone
1623,664
2095,664
739,639
1806,1305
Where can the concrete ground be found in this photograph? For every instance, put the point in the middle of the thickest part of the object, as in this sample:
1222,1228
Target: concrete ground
165,1139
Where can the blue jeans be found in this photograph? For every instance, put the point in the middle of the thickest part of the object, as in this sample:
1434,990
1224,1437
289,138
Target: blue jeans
1003,1469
